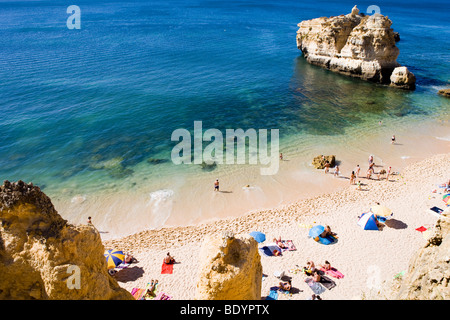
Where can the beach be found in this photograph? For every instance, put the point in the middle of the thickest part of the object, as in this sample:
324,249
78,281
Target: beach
366,258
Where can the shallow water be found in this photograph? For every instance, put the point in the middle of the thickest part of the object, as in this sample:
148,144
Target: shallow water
88,114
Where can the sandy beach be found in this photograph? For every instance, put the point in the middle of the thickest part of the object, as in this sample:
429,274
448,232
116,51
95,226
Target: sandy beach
366,258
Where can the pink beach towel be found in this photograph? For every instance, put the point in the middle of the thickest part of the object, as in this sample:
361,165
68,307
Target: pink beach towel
333,272
289,244
163,296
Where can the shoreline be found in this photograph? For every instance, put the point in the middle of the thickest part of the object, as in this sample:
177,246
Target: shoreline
256,216
355,254
169,203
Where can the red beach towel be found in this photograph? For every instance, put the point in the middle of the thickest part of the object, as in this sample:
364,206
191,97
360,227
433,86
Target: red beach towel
421,229
166,268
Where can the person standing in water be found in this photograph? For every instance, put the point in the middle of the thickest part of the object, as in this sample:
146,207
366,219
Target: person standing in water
216,185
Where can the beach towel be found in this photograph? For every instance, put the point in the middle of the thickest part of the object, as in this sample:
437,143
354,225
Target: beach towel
269,249
327,282
327,240
333,272
315,287
421,229
138,293
123,265
163,296
273,294
436,211
289,244
166,268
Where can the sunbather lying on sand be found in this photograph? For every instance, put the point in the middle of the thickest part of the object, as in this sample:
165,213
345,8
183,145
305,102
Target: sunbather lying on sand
151,291
326,265
327,232
279,243
286,286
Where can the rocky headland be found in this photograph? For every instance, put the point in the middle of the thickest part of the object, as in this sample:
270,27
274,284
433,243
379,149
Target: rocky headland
43,257
355,45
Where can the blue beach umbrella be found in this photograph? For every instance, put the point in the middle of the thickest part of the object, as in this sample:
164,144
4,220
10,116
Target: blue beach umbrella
114,258
316,231
258,236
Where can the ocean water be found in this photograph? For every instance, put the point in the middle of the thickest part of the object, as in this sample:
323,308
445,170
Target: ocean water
88,114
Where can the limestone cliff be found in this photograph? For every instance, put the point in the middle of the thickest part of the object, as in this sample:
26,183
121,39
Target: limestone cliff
353,44
44,257
230,269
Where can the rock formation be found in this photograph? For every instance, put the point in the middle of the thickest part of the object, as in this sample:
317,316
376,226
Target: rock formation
444,92
319,161
230,269
401,77
44,257
352,44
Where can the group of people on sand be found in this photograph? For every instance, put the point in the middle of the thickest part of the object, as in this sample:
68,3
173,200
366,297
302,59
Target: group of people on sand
356,172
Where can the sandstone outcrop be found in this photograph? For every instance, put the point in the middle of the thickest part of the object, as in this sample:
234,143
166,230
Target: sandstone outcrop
444,92
353,44
401,77
44,257
319,161
230,269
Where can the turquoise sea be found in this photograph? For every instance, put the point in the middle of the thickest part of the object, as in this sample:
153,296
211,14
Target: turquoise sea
91,111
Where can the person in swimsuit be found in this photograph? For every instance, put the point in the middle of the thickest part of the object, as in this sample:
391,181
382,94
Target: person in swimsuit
357,170
169,259
352,178
393,139
286,286
327,167
216,185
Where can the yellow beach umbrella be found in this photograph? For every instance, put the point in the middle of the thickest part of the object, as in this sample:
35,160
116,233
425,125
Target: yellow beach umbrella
114,258
382,211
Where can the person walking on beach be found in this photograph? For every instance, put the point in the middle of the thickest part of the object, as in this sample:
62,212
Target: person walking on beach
336,171
393,139
281,156
370,171
352,178
388,173
357,170
216,185
370,159
327,166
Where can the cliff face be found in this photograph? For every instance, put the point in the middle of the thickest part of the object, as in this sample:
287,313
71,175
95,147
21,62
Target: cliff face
231,269
354,45
44,257
428,275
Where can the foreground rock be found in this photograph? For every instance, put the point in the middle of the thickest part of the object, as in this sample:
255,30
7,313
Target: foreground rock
354,45
230,269
44,257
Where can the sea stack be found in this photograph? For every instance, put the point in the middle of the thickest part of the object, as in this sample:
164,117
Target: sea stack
355,45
